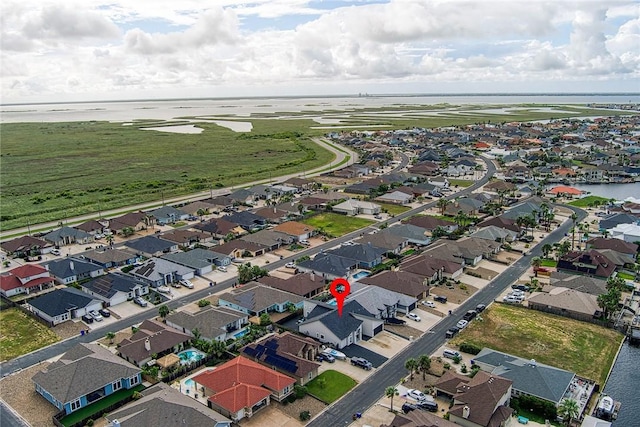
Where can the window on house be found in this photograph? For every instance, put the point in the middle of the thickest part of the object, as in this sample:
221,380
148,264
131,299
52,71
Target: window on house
133,380
117,385
75,404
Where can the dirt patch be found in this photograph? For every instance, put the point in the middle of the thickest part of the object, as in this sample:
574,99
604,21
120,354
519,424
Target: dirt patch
507,257
456,293
19,393
68,329
484,273
121,335
403,330
307,403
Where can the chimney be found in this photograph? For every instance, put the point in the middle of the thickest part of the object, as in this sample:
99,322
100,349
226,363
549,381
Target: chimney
147,344
465,412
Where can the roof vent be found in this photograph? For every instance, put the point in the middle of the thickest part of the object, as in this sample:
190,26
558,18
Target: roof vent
465,412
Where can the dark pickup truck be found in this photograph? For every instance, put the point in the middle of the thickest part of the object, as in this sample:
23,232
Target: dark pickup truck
363,363
470,315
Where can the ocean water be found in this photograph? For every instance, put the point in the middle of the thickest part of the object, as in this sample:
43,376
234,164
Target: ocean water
623,386
615,191
244,107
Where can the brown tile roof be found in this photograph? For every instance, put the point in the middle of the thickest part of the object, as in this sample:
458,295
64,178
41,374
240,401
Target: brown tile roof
230,247
89,226
419,419
185,236
481,395
300,351
160,336
241,383
24,244
614,244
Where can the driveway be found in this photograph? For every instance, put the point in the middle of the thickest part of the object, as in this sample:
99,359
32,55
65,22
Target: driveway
345,367
355,350
385,344
427,320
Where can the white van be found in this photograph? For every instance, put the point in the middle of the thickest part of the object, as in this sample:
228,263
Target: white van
450,354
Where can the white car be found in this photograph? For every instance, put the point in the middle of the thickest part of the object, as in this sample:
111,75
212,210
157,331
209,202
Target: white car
305,243
55,252
164,289
290,265
414,316
416,395
222,268
186,283
462,324
429,304
96,316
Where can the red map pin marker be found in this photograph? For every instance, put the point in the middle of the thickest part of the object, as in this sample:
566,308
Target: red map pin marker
340,288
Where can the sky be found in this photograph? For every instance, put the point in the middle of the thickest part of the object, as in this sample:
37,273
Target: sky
85,50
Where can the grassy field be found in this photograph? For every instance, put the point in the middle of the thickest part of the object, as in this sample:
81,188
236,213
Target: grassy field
393,209
336,385
52,171
464,183
589,201
336,225
584,348
20,334
546,262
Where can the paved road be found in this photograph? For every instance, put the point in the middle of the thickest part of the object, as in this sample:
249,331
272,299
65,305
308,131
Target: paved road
372,389
341,152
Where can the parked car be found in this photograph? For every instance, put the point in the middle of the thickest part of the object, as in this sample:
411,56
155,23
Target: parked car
470,315
140,301
520,287
290,265
55,252
416,395
186,283
104,312
87,318
363,363
440,298
305,243
427,405
429,304
462,324
163,289
176,285
326,357
408,407
480,308
451,332
450,354
96,316
511,299
414,316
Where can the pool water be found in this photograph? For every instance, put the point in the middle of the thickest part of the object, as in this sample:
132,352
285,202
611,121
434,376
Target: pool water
360,275
241,334
333,302
190,356
189,382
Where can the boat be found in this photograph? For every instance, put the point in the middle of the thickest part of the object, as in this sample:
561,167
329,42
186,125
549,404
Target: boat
606,404
607,409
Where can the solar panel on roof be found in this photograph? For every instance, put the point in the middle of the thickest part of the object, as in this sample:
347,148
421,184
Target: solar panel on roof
281,363
273,344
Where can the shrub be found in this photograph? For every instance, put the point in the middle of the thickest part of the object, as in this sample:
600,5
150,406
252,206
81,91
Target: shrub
128,268
457,360
467,347
447,366
463,368
305,415
463,287
299,391
292,398
204,303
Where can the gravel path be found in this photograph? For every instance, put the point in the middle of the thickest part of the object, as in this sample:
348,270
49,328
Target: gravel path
307,403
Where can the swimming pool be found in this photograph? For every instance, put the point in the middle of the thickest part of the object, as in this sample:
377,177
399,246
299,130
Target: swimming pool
190,356
333,302
189,382
241,334
360,275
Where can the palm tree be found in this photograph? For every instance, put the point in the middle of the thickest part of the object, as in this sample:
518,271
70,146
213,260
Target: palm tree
461,219
568,409
110,336
391,391
442,204
109,238
536,262
546,250
562,249
411,365
424,363
163,311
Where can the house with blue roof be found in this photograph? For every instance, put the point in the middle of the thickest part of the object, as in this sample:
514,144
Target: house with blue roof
365,256
168,215
71,270
115,288
329,266
150,246
84,375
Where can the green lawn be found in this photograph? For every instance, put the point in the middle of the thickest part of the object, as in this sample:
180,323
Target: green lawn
336,225
461,182
589,201
21,334
393,209
584,348
95,408
546,262
335,385
625,276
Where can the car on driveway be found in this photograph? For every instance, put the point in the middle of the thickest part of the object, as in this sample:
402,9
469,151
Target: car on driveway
326,357
440,298
429,304
55,252
414,316
416,395
361,362
87,318
186,283
335,353
163,289
96,316
427,405
140,301
104,312
462,324
520,287
222,268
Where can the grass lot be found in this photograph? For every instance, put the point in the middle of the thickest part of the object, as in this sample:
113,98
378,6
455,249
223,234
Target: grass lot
625,276
464,183
393,209
95,408
584,348
336,225
336,385
589,201
20,334
84,167
546,262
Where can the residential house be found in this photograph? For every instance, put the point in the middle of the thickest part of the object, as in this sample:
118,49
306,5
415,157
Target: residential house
297,230
467,205
150,246
115,288
25,279
389,242
272,215
578,282
63,304
413,234
240,248
84,375
381,302
419,419
247,220
71,270
24,246
411,284
110,257
152,339
300,183
255,299
199,207
617,245
614,219
627,232
163,405
288,354
495,234
161,272
212,323
567,303
136,221
92,227
270,239
328,266
498,186
434,265
240,387
395,197
365,256
202,261
242,196
439,181
501,222
305,285
527,208
589,263
529,377
68,236
430,223
353,207
187,238
220,228
481,401
220,203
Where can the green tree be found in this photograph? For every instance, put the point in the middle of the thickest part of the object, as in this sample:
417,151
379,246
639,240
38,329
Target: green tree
546,250
204,303
128,231
536,262
609,301
110,336
411,365
109,239
163,311
391,392
217,348
442,204
424,364
265,319
568,410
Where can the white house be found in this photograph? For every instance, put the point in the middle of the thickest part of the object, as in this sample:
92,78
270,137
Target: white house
353,207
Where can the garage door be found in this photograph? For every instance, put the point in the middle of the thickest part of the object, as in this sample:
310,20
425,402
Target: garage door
377,330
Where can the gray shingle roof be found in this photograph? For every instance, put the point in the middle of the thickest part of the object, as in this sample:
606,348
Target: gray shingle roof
82,370
150,244
108,285
210,321
360,253
67,267
61,301
329,264
195,258
340,326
